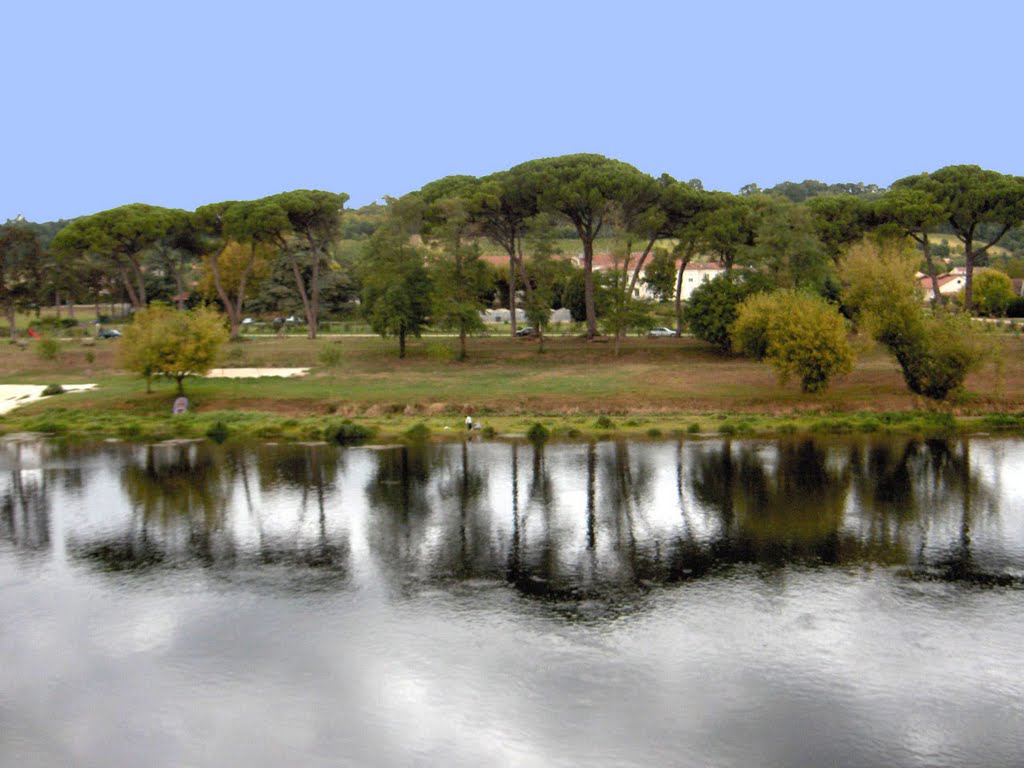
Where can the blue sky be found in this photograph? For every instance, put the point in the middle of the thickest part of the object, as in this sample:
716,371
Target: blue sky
182,103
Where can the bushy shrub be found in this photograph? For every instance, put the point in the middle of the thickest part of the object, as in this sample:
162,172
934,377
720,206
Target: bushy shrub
993,292
712,309
417,433
935,353
53,389
346,432
48,348
537,434
801,335
329,355
218,432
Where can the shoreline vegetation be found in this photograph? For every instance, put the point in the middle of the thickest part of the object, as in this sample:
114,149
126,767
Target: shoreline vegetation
359,391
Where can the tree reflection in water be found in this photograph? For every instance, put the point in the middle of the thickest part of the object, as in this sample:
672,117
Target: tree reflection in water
564,522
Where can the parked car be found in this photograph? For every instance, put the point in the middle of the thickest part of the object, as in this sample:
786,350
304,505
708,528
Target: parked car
108,333
527,331
662,331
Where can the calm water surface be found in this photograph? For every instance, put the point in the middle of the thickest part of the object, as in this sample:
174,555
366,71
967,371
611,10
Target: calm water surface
706,603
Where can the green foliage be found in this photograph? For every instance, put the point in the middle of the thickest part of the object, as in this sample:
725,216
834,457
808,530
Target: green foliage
993,293
53,389
801,335
218,432
396,287
788,248
660,274
711,309
346,432
330,355
173,343
48,348
604,422
537,434
417,433
935,353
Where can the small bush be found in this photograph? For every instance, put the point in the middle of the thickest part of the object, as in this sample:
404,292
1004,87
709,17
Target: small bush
603,422
693,429
218,432
417,433
90,357
654,432
53,389
488,431
48,348
537,434
330,355
347,432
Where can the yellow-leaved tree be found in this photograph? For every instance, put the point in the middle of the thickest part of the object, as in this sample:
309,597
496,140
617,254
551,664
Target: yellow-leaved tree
162,341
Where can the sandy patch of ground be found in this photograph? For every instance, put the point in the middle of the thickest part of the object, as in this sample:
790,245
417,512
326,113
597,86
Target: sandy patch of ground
13,395
255,373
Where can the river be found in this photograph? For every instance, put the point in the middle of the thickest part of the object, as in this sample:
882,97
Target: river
795,602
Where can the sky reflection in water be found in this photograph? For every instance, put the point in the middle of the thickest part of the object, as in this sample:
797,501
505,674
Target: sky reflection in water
736,602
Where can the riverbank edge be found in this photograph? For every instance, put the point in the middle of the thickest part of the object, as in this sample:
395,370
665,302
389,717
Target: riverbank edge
87,425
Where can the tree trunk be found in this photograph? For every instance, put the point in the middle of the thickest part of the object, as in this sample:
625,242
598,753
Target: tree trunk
130,290
512,291
926,246
462,341
679,290
234,313
56,304
969,276
313,314
11,318
639,266
401,343
588,287
301,285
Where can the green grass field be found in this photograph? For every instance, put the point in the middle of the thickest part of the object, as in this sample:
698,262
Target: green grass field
662,386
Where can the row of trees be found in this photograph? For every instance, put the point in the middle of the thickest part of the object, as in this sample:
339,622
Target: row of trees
806,336
655,227
791,245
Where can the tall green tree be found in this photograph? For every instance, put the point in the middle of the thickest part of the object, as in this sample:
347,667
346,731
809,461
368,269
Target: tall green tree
911,210
503,204
314,219
121,236
396,286
728,228
840,220
585,189
253,224
788,249
20,268
459,278
980,206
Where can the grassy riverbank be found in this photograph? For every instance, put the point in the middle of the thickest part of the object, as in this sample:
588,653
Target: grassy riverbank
655,387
